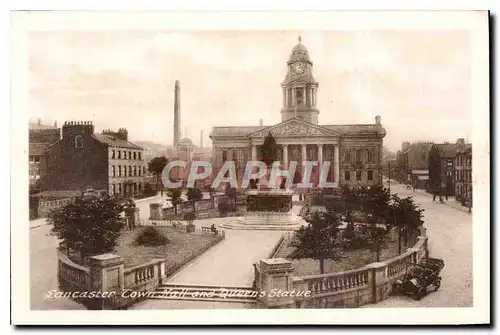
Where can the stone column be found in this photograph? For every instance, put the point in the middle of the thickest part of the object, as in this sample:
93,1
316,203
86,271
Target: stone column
320,160
293,97
304,153
106,275
284,97
285,155
336,164
254,152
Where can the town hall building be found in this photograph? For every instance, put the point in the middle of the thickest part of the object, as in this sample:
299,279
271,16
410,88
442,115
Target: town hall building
355,151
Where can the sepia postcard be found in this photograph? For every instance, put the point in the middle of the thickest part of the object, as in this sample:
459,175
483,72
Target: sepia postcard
280,167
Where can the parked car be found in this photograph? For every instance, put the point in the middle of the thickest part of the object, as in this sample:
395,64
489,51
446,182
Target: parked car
420,279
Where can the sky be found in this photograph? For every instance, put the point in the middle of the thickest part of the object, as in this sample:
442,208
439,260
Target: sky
417,81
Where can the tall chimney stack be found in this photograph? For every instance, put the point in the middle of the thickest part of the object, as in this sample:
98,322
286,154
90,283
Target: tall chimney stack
201,139
261,122
177,113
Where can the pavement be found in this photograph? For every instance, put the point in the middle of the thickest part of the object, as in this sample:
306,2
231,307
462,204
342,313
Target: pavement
450,238
228,263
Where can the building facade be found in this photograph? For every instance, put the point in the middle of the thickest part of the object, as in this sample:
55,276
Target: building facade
412,163
463,175
354,151
442,159
40,137
81,160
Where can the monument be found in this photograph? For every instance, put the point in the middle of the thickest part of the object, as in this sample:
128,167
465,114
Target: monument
268,208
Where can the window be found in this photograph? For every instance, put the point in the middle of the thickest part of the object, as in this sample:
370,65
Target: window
130,155
358,155
37,159
299,95
119,170
135,171
112,156
119,154
358,175
113,170
224,155
370,175
143,170
79,141
135,155
347,155
130,171
370,156
347,175
139,155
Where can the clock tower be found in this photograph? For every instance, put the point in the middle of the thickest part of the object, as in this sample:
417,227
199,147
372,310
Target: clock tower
299,87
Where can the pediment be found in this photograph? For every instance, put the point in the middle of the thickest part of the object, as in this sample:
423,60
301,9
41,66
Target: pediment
294,128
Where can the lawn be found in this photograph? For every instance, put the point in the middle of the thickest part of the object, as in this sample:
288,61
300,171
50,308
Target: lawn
351,259
181,246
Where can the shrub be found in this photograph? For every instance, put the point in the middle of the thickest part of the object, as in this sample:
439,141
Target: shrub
151,237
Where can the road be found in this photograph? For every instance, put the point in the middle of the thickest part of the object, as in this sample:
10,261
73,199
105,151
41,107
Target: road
450,238
43,264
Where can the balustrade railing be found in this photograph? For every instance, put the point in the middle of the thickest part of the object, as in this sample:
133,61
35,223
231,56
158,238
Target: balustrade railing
74,273
336,282
142,273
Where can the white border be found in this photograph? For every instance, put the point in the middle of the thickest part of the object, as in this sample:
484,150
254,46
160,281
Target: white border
474,22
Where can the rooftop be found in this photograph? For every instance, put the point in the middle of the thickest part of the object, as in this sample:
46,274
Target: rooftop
115,142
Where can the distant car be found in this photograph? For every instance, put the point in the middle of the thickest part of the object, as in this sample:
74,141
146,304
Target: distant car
420,278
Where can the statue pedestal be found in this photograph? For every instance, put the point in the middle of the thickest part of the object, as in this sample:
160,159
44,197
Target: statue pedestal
268,209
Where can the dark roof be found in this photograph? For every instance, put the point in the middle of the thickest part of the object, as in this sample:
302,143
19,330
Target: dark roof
37,149
448,150
115,142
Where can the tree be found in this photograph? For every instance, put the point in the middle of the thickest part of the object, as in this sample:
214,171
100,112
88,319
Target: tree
406,216
194,194
319,240
211,192
375,234
175,196
156,166
231,194
90,226
374,203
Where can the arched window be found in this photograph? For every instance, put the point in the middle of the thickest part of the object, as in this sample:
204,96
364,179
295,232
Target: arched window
79,141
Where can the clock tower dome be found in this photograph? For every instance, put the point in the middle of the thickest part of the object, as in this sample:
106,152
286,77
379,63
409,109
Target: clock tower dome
299,87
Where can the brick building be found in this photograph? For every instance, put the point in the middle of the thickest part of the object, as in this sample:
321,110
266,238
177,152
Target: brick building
412,163
81,160
463,174
40,137
442,159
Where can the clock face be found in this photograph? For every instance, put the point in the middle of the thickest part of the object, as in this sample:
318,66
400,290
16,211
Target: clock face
299,68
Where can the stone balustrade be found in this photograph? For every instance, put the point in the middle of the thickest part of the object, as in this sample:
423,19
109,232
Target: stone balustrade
118,287
369,284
